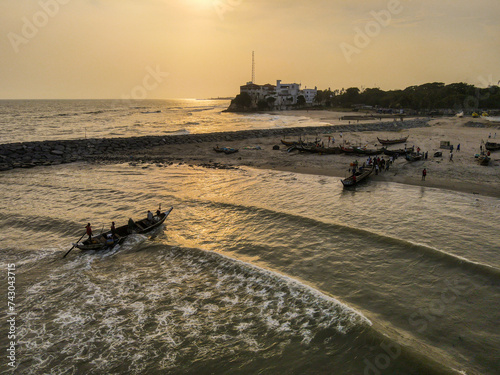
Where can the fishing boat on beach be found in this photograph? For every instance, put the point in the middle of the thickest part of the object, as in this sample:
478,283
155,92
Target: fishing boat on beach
226,150
290,143
492,146
347,150
357,177
108,240
299,143
367,151
392,141
318,149
401,151
411,157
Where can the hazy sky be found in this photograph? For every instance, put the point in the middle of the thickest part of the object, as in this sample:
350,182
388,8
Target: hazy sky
203,48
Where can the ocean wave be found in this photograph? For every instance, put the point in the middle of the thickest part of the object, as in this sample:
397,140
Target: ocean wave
398,244
181,300
178,131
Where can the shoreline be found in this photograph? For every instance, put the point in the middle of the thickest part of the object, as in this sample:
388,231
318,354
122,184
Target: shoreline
462,174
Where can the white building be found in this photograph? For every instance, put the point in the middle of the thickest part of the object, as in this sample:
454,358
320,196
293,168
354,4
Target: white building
258,92
285,94
310,94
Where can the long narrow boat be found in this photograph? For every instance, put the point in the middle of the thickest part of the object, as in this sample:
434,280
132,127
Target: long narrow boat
359,176
392,141
413,157
492,146
291,143
106,240
318,149
367,151
348,150
226,150
401,151
299,143
360,150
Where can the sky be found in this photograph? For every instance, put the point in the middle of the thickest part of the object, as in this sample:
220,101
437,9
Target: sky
149,49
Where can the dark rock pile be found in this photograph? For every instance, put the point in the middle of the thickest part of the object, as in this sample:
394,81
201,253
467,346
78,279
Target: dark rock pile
31,154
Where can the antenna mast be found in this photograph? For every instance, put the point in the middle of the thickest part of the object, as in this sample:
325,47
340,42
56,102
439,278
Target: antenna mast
253,67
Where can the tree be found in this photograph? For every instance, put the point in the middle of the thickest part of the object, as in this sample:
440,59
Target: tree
242,100
301,101
270,101
262,105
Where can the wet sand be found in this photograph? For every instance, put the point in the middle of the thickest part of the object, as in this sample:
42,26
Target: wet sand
463,173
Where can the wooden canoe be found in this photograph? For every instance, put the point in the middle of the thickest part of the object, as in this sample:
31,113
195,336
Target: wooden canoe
359,176
492,146
106,240
226,150
413,157
392,141
400,151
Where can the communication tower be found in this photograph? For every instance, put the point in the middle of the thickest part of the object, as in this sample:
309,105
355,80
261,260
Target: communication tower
253,67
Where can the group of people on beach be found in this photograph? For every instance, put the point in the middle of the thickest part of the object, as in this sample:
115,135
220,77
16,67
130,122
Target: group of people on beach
379,163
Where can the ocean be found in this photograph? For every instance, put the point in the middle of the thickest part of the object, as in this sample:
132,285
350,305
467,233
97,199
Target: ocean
255,272
33,120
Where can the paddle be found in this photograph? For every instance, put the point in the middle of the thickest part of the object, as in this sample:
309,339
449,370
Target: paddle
72,247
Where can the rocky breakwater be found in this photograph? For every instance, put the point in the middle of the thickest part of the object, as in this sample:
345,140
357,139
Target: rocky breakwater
44,153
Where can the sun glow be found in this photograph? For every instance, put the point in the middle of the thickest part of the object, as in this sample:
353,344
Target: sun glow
201,4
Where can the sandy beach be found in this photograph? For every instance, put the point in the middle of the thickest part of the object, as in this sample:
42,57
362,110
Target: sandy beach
463,173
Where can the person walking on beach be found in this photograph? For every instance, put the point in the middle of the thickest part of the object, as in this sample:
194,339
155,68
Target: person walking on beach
424,173
458,147
88,229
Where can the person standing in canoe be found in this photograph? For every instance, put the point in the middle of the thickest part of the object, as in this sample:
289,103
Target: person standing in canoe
88,228
150,216
113,229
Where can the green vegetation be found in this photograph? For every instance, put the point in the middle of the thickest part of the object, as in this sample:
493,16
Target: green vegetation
429,96
242,100
301,101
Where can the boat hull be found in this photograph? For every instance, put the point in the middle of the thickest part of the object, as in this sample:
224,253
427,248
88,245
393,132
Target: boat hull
491,146
102,242
360,176
392,141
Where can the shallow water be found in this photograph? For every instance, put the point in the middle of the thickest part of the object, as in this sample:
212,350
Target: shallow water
35,120
256,271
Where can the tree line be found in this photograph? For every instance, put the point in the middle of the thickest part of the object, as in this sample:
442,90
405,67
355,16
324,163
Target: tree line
429,96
